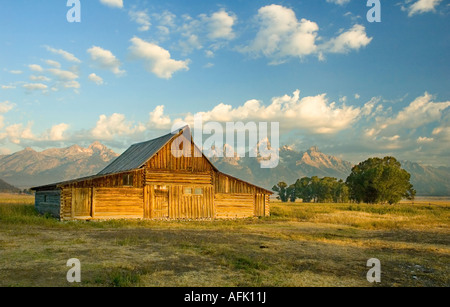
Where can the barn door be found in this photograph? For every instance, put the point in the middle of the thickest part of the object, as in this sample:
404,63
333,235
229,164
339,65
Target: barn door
161,204
82,203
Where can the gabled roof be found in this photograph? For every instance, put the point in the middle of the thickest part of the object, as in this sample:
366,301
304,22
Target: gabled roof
136,156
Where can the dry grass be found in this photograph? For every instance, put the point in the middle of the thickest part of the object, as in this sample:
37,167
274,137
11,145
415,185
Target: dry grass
299,245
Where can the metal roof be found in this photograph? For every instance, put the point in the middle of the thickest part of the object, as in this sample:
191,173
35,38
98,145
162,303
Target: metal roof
136,156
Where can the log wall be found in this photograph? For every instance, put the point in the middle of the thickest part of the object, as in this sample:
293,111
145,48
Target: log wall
48,202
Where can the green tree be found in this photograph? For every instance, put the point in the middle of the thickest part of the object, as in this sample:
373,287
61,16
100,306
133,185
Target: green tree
303,190
281,189
291,193
379,181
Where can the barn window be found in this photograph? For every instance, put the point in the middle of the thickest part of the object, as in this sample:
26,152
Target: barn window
187,191
198,191
45,198
128,180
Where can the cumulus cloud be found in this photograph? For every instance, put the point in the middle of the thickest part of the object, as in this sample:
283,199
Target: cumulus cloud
96,79
57,132
20,134
220,25
158,120
39,78
6,106
71,84
63,75
157,59
420,112
314,113
115,125
66,55
353,39
36,68
105,59
420,6
141,18
113,3
17,133
281,36
34,86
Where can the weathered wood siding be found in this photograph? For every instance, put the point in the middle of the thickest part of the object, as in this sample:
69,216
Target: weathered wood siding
102,203
162,177
171,201
165,160
99,188
228,185
48,202
228,206
267,205
115,203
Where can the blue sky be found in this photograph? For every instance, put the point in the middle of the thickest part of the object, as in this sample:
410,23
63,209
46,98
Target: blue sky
130,69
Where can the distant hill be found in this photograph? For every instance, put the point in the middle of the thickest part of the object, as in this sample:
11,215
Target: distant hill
7,188
28,168
427,180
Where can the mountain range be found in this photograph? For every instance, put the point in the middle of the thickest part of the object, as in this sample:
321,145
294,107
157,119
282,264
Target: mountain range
29,168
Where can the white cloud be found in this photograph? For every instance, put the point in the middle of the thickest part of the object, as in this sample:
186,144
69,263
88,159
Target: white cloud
16,72
281,36
71,84
39,78
421,6
96,79
353,39
66,55
113,3
141,18
158,120
220,25
36,68
53,63
115,125
17,132
35,86
105,59
424,140
6,106
314,113
339,2
57,132
7,87
420,112
63,75
157,59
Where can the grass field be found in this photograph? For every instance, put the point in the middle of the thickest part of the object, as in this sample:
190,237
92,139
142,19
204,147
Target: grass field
299,245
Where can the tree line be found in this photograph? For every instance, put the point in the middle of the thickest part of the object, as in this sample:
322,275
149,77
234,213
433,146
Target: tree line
373,181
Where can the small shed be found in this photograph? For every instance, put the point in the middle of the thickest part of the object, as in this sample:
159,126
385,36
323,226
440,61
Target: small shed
148,182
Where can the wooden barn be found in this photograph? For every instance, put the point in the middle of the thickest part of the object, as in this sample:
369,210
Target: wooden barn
148,182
